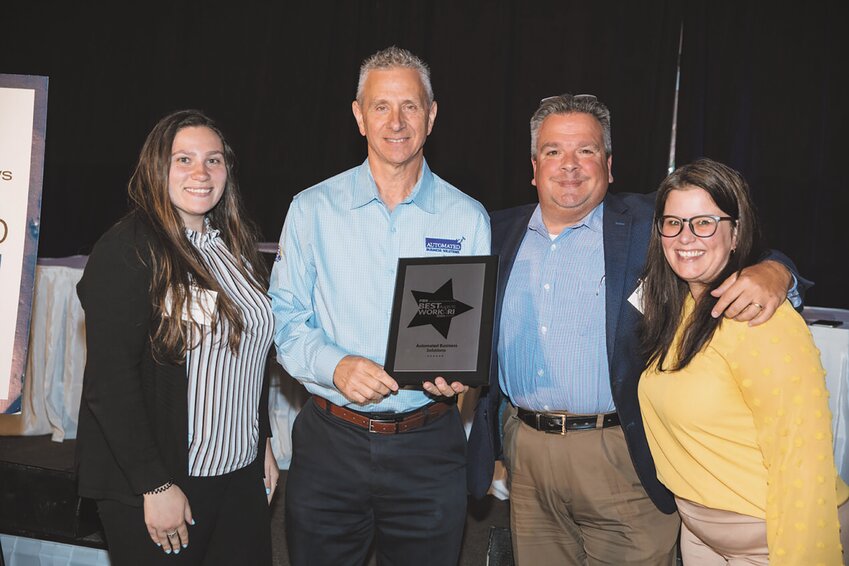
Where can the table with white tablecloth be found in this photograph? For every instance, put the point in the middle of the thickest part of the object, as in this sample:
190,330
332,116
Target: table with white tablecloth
50,400
830,329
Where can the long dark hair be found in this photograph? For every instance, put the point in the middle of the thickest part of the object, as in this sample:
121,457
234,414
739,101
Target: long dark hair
175,262
664,292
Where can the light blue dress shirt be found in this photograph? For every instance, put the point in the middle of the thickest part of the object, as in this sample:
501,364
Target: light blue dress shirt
333,280
552,351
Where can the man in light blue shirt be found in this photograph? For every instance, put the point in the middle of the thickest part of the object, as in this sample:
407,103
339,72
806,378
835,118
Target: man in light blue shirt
371,462
583,487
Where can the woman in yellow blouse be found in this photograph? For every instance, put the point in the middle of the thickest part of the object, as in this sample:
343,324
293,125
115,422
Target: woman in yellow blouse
736,416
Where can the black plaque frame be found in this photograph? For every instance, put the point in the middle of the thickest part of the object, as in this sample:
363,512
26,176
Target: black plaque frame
479,374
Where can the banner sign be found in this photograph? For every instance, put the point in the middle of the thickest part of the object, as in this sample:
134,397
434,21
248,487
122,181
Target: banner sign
23,126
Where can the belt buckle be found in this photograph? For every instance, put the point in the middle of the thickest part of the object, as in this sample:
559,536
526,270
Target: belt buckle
563,419
372,422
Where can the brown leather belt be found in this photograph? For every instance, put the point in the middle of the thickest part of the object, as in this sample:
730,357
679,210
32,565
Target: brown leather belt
385,423
559,423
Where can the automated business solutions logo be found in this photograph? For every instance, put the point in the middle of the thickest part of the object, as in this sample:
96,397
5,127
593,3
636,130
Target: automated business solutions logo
443,245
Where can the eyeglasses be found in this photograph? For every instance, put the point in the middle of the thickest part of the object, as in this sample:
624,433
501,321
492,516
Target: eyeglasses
702,226
587,97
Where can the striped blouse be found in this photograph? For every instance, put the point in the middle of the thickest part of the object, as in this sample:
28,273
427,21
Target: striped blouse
224,389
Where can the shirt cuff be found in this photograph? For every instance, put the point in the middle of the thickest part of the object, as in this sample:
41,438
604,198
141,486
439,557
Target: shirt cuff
793,294
325,364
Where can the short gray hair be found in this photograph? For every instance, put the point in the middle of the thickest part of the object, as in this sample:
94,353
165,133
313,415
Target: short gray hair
392,57
571,104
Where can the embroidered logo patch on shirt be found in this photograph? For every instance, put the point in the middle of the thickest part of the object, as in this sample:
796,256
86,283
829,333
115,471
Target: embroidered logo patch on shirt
443,245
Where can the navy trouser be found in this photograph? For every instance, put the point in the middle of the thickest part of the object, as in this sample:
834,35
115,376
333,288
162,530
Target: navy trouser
348,488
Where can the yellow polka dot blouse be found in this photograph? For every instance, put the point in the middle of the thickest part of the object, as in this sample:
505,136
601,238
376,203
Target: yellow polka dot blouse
745,427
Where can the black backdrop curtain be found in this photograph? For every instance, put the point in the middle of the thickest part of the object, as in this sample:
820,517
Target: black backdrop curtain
761,89
280,77
764,89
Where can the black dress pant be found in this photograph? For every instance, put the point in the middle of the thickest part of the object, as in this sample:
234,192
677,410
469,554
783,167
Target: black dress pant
348,488
232,524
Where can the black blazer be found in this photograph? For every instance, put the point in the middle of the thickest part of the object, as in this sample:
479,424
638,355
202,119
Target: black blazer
626,230
133,426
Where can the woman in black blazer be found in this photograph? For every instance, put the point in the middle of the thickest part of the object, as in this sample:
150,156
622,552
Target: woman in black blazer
173,430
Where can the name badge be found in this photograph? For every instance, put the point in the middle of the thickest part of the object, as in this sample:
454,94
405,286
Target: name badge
636,297
201,309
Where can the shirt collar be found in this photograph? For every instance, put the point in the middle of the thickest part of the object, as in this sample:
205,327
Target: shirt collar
593,221
423,194
202,239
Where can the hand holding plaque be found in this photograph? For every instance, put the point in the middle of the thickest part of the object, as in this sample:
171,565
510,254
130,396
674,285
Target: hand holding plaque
442,320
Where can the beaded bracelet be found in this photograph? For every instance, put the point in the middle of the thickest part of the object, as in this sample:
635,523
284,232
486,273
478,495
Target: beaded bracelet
160,489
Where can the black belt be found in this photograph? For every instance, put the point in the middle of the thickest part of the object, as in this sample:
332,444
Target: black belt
559,423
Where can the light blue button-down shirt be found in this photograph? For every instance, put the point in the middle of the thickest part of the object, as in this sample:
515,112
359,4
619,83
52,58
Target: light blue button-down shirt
333,280
552,351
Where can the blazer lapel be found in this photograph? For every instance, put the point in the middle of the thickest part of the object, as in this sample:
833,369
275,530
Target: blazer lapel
506,240
510,247
617,244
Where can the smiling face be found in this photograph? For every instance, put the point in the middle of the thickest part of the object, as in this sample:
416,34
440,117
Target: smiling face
197,174
394,116
698,261
571,168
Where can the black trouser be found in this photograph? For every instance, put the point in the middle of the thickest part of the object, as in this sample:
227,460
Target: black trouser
348,488
232,524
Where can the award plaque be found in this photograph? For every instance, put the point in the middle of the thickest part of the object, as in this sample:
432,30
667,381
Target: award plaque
442,320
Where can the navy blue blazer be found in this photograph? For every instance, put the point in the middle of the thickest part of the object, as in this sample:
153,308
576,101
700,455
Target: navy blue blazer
627,227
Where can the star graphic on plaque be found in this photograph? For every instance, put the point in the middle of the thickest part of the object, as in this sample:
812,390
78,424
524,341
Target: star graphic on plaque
437,308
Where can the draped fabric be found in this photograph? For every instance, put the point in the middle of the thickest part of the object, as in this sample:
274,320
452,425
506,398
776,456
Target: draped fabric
761,86
763,89
50,401
280,77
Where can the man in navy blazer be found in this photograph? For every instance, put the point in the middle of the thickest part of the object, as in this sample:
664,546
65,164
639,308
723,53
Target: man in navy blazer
583,487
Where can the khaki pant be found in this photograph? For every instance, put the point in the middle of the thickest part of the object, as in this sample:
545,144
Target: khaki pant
575,500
